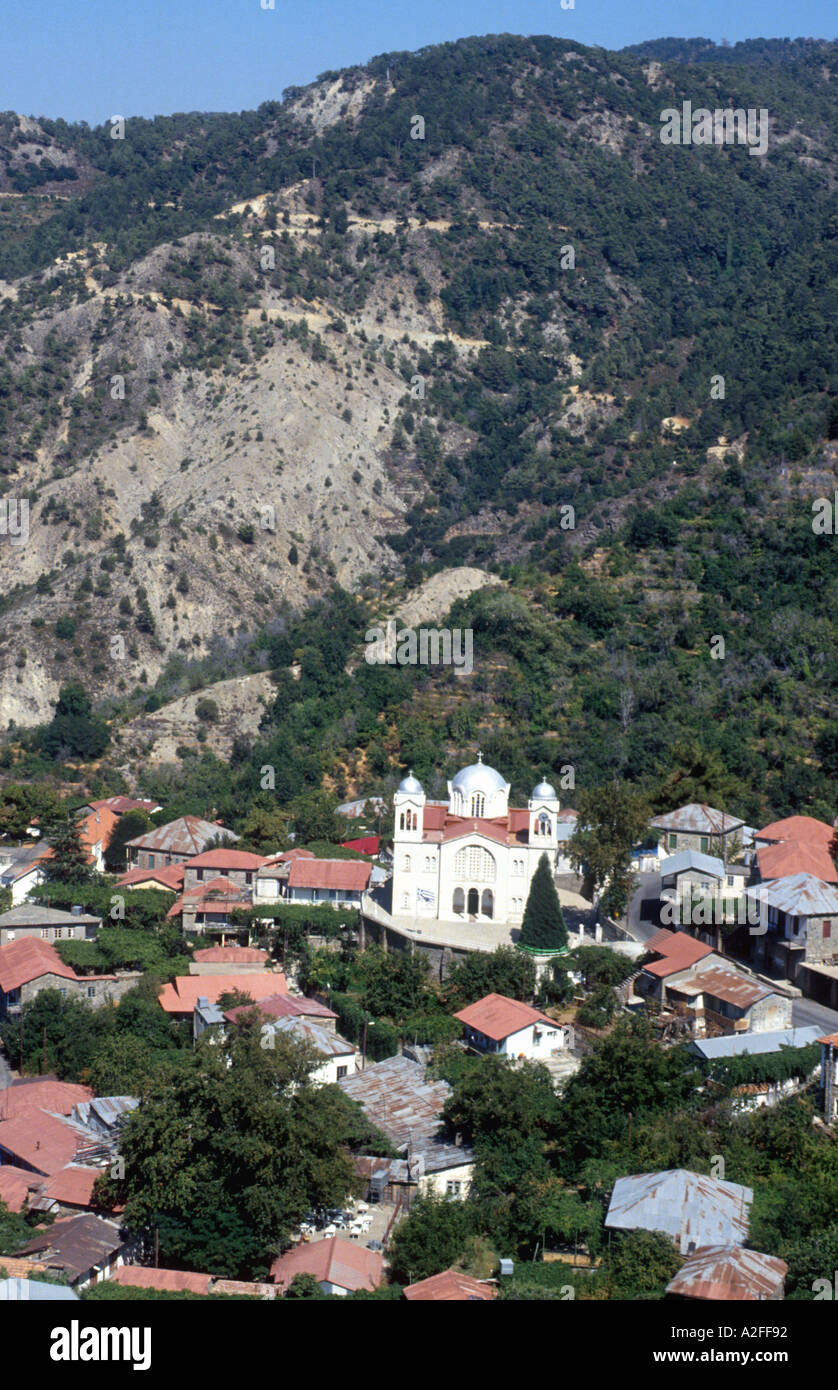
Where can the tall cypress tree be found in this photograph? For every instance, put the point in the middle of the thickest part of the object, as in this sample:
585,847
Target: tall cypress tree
69,862
544,924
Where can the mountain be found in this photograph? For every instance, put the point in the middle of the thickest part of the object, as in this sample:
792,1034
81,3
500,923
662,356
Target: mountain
405,320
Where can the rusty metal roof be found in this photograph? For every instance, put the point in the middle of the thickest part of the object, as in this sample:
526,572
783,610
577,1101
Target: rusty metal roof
400,1101
693,1209
697,819
728,1272
731,986
800,895
187,835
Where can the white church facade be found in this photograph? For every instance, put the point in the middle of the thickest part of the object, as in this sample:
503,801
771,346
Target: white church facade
472,858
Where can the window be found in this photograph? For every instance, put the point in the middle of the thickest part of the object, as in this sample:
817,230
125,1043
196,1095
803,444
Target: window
248,878
406,864
827,930
342,1071
91,991
730,880
44,934
453,1189
705,844
478,804
476,863
151,861
673,841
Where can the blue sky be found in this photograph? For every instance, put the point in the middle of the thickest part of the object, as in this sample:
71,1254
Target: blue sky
92,59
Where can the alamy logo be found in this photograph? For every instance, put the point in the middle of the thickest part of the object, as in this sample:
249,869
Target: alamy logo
724,126
425,646
14,519
75,1343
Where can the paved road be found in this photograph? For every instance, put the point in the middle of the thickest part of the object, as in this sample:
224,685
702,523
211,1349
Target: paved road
642,914
805,1011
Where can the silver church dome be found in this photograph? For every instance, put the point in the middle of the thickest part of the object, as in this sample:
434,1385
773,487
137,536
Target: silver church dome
543,792
478,777
411,784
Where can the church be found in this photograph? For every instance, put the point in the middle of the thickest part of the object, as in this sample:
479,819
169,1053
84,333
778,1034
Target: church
472,858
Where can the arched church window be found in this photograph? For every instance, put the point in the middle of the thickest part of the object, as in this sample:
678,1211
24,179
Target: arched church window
407,863
478,804
475,863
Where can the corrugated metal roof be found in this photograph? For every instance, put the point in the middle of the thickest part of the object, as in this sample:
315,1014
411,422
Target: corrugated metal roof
400,1101
742,1044
731,986
730,1273
800,895
187,835
689,1207
696,818
692,859
306,1029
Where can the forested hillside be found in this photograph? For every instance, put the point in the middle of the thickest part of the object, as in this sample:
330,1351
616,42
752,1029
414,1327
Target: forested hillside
535,339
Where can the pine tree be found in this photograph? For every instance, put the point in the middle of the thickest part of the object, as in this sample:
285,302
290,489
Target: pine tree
544,925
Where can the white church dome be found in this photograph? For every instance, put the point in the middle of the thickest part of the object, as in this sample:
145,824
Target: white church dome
478,777
411,785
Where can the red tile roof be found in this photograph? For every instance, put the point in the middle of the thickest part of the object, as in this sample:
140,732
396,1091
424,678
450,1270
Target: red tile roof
14,1188
345,875
679,952
28,959
41,1093
181,996
39,1139
497,1016
71,1186
284,1006
334,1260
450,1287
171,877
241,955
791,857
368,844
227,859
805,829
829,1039
167,1280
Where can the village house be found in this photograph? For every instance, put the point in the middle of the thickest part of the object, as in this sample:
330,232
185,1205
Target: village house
169,879
31,921
271,880
798,933
85,1249
730,1274
31,965
289,1006
340,1058
120,805
400,1099
508,1028
179,997
175,843
693,1210
208,908
22,875
699,827
339,1266
690,978
689,878
236,866
133,1276
338,882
